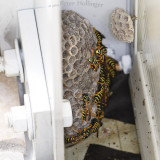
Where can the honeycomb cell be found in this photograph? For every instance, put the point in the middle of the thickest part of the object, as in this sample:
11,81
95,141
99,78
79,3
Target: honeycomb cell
65,36
69,83
76,64
73,40
79,19
65,76
76,79
68,68
72,59
84,26
125,18
79,55
79,45
72,19
67,94
81,32
73,73
64,62
74,50
65,54
67,45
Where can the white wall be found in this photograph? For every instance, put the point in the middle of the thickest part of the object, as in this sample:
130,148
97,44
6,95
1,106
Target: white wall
8,21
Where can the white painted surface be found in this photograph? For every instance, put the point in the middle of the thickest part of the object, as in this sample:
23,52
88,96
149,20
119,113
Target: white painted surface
35,85
125,64
9,21
49,28
144,109
17,118
67,113
148,123
11,67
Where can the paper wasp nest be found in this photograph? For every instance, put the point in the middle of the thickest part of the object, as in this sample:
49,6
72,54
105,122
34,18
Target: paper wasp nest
122,25
78,38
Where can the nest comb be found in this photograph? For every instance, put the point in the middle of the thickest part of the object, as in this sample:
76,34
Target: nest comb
78,38
122,25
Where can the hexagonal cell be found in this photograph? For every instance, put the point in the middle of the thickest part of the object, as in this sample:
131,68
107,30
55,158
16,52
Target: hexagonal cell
72,59
76,64
73,39
69,83
65,54
76,79
74,50
73,73
79,45
67,94
65,36
67,45
84,26
72,19
82,41
65,76
125,18
64,63
76,34
68,68
79,19
81,32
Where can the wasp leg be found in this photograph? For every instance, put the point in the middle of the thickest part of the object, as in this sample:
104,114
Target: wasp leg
75,130
98,81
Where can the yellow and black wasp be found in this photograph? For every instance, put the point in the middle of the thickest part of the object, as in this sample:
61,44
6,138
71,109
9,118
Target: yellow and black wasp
100,52
82,134
86,107
96,124
93,63
99,36
108,81
100,110
111,62
98,96
72,139
111,71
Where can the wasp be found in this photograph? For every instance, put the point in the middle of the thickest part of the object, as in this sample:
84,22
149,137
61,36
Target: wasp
99,36
102,73
111,62
100,110
100,52
108,81
111,71
86,107
85,133
96,124
93,63
73,139
98,96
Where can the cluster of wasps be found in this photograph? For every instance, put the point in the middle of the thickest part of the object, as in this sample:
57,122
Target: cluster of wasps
108,67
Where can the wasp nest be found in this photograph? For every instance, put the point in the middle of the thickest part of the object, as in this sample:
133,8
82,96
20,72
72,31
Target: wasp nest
122,25
78,38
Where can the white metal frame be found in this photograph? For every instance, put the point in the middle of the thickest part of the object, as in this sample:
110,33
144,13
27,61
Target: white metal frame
49,27
35,85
